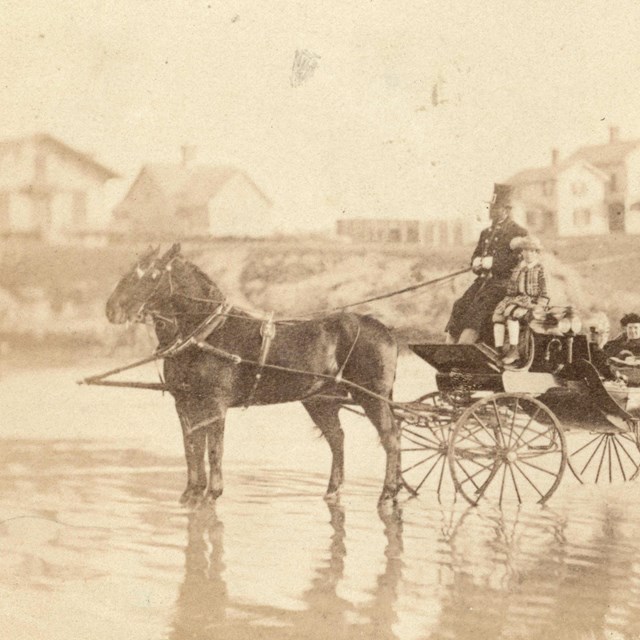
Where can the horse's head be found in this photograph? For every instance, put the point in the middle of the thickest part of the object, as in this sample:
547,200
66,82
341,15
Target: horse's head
146,285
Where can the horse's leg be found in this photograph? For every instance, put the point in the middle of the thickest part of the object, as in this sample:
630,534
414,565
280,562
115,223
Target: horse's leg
380,414
194,445
215,431
325,415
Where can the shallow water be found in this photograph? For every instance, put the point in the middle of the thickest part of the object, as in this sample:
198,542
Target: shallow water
94,544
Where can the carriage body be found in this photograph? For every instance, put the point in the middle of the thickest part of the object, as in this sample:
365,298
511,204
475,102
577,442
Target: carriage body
512,423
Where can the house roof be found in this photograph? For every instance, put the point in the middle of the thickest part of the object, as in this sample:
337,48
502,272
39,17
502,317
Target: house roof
64,149
542,174
610,153
193,186
533,174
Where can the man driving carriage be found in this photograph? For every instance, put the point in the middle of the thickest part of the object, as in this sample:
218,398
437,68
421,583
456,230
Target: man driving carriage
493,262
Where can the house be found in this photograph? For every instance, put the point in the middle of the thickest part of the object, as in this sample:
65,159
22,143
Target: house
50,190
427,232
191,200
595,190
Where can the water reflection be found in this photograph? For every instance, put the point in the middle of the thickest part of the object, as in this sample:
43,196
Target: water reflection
204,608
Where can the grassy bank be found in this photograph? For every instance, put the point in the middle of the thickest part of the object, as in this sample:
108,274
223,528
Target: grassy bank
58,293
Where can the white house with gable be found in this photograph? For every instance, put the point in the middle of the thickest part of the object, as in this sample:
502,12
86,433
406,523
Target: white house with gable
50,190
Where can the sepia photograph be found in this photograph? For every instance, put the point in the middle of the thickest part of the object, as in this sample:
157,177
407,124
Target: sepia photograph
318,320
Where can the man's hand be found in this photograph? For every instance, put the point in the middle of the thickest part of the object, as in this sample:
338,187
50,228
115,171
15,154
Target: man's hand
476,265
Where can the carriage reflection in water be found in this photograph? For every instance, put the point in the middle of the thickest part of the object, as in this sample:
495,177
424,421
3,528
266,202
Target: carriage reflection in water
504,432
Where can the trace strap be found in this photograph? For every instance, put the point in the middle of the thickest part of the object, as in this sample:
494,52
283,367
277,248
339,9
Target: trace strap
268,333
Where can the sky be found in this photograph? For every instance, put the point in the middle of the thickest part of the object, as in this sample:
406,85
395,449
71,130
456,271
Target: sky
131,81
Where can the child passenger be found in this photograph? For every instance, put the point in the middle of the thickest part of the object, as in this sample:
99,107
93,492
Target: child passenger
526,287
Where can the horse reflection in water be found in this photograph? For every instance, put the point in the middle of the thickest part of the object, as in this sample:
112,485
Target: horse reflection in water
205,610
223,370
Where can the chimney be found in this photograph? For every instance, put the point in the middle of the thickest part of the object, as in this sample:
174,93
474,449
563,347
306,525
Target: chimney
555,157
188,155
614,134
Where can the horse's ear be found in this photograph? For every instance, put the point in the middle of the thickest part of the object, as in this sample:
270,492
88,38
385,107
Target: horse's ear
148,255
170,253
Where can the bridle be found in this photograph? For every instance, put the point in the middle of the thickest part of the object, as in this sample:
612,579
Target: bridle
157,274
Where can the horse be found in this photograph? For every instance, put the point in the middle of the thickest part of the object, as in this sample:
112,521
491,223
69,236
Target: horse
222,361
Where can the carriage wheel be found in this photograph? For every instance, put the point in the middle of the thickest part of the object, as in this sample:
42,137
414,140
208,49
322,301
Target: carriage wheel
507,446
425,425
605,457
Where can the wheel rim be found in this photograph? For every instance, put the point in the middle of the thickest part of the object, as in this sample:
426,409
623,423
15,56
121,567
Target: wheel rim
425,425
507,447
605,458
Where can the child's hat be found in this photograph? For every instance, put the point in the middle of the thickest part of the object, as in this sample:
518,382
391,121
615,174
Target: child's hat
526,242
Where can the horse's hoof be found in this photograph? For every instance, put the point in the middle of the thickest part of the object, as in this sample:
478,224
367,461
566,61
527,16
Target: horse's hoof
212,495
191,496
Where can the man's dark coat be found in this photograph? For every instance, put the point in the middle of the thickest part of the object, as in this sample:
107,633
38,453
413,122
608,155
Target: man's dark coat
474,309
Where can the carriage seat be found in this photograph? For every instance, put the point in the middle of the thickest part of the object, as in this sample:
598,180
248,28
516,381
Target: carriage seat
555,321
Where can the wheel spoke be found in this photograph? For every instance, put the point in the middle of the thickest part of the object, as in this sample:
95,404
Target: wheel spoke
515,484
586,445
444,461
513,422
529,479
435,444
615,447
471,435
633,462
500,438
475,473
484,427
417,464
592,455
610,465
534,466
504,475
538,435
433,466
531,419
606,442
468,476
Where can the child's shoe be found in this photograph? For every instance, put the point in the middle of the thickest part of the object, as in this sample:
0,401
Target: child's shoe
511,355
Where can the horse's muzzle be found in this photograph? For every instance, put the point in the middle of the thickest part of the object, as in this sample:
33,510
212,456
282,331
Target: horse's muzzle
116,314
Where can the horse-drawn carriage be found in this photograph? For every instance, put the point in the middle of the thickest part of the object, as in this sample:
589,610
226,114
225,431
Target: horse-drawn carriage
514,430
505,433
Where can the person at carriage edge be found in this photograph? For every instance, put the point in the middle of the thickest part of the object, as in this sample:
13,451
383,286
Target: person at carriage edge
627,345
526,287
492,261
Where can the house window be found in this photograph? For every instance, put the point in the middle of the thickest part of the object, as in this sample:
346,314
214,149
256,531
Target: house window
394,235
581,217
578,188
413,234
79,209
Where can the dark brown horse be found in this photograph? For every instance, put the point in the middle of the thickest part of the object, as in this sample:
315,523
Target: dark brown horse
205,381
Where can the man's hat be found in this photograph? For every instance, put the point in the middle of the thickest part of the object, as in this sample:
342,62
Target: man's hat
630,318
501,195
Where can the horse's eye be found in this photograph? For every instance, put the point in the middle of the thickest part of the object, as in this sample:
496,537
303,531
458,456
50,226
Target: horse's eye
155,273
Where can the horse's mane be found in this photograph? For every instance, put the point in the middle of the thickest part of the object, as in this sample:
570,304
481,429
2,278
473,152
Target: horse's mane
202,275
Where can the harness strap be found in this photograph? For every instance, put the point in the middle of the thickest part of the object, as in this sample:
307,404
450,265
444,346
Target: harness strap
268,333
